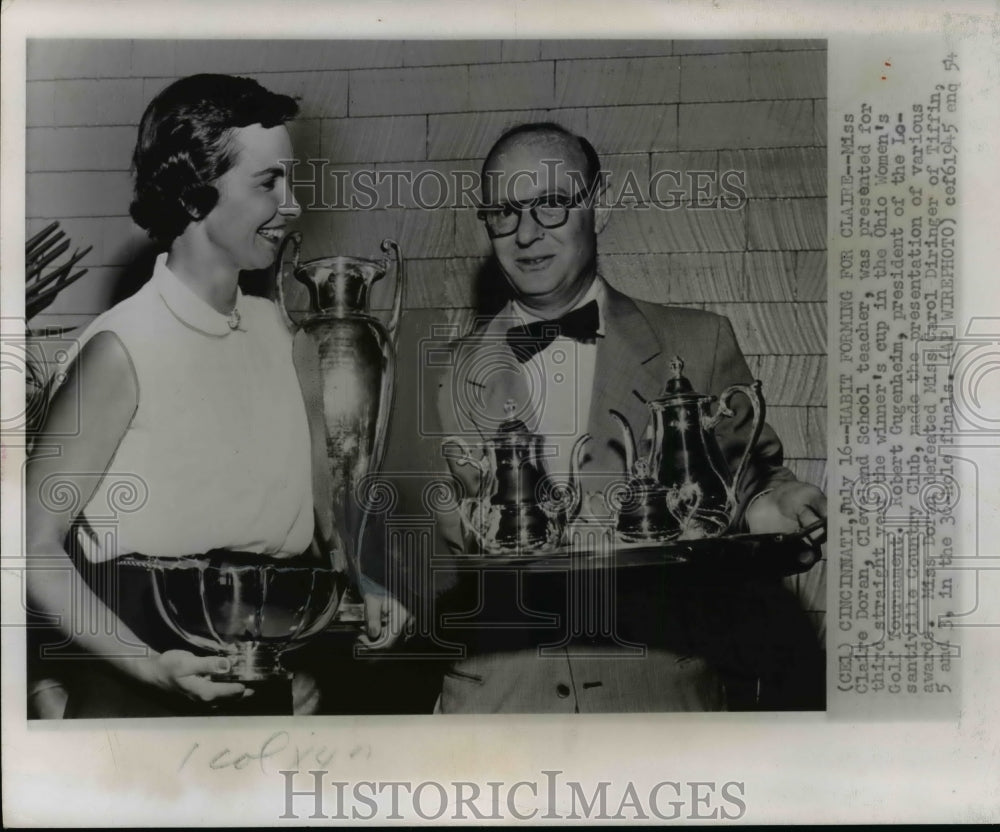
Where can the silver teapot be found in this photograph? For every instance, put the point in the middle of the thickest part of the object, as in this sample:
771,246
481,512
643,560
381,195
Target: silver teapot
518,507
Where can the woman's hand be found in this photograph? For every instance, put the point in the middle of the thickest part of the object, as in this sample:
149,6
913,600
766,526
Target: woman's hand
184,673
385,617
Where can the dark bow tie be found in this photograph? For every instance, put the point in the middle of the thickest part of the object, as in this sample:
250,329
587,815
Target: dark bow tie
580,325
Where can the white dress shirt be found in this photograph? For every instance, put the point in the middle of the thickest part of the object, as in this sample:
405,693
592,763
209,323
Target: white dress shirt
561,381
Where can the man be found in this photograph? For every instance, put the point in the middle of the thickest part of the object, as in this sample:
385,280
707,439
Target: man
598,351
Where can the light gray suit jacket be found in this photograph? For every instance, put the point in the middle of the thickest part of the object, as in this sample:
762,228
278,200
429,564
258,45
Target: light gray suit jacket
505,672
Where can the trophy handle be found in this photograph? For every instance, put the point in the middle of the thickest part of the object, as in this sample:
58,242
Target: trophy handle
295,238
752,392
349,616
385,406
391,246
390,354
381,435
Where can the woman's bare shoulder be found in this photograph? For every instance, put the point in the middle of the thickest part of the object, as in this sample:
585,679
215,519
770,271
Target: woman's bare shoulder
101,385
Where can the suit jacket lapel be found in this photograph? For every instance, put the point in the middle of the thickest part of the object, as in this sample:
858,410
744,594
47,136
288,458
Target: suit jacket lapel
626,366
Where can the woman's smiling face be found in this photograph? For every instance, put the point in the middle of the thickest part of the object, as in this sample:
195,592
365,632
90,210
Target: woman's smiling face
247,224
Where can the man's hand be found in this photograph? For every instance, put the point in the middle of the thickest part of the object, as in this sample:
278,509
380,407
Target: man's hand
787,508
385,617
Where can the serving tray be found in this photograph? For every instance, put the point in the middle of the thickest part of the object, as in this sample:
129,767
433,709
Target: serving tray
730,557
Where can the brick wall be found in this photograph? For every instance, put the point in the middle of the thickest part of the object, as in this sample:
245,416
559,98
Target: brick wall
757,106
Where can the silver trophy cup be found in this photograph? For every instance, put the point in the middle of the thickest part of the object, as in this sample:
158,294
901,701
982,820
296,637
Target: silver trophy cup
253,609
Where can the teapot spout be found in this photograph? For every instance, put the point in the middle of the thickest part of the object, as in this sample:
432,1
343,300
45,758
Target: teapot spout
628,441
575,463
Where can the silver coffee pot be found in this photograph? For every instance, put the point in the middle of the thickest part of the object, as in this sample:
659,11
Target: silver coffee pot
683,487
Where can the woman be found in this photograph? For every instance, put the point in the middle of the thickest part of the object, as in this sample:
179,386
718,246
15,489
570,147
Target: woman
184,398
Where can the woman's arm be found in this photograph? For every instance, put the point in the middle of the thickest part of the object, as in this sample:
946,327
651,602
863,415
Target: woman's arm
87,418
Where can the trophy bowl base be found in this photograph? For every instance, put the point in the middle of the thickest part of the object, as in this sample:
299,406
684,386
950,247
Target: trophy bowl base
253,663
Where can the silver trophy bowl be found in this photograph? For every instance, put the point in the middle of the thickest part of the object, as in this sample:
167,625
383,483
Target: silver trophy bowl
247,608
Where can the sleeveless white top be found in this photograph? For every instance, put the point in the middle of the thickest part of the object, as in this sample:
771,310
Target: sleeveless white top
218,452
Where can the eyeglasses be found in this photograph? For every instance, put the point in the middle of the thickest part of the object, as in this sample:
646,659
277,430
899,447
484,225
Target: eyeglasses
549,211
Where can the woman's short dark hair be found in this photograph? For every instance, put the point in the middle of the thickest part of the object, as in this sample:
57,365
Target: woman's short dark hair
184,146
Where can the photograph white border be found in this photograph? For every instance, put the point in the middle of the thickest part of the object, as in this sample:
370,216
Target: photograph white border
803,768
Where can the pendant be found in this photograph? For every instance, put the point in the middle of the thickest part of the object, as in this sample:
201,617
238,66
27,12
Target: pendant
234,319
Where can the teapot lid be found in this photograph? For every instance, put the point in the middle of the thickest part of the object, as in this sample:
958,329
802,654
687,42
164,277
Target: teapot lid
678,383
643,477
511,425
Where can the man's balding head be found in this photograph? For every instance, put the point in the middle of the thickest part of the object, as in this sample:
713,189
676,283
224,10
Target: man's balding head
545,140
539,187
